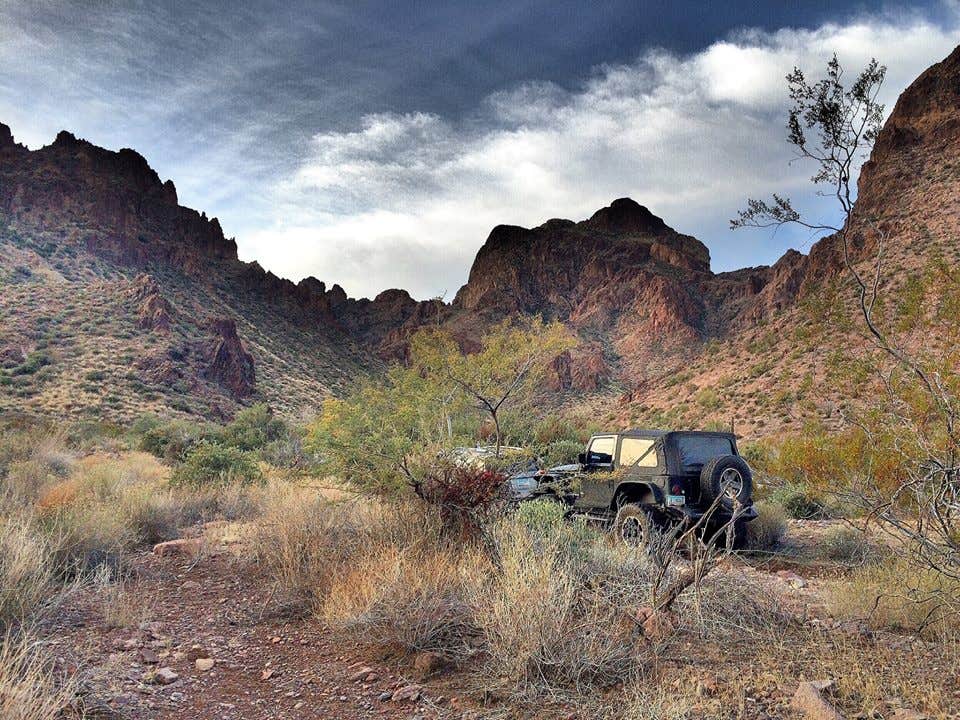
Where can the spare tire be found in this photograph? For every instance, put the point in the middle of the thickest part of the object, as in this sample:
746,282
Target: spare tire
727,477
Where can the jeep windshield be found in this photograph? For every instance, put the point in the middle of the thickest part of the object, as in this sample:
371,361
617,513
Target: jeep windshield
696,450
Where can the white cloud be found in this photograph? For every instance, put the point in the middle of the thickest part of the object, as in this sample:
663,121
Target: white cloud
406,200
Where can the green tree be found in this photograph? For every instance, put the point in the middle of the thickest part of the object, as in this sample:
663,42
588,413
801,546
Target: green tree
381,436
509,367
911,456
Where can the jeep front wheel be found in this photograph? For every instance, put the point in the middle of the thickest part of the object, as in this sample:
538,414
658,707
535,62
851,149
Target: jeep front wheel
634,525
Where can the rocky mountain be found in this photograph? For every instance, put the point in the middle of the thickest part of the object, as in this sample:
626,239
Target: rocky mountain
117,300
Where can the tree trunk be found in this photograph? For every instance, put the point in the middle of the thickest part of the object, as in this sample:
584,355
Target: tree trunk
496,427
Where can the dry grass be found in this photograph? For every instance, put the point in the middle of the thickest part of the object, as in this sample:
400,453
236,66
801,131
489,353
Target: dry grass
27,569
119,606
765,531
30,689
893,594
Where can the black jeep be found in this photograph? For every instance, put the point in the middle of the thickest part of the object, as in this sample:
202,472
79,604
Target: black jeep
644,480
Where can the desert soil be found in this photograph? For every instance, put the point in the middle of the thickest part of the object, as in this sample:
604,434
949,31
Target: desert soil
267,661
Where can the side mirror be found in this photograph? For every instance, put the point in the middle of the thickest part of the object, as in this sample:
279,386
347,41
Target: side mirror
582,458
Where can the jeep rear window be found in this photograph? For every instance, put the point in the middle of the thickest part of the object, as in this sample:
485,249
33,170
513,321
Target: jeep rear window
695,450
601,450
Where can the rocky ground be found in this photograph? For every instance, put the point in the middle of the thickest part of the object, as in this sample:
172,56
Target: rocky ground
199,632
213,643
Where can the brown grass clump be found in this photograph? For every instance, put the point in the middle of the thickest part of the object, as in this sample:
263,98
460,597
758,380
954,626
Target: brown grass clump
29,687
894,594
27,569
766,531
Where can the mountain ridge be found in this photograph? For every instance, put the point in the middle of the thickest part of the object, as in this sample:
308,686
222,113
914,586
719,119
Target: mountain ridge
88,230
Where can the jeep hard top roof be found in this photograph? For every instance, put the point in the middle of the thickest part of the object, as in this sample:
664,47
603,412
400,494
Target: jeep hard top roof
651,433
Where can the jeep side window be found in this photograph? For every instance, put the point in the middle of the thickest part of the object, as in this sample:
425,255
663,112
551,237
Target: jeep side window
633,450
601,451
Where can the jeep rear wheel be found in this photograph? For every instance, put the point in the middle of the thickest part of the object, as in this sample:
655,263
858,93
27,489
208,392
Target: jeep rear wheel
634,525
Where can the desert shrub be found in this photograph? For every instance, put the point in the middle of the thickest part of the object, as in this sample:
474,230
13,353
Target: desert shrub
560,452
766,530
174,440
26,569
253,428
848,544
30,689
212,465
464,495
893,593
799,502
552,619
89,536
33,362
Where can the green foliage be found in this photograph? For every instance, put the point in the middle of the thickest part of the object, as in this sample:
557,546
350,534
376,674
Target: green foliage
33,362
799,502
381,435
708,399
253,428
505,372
172,440
561,452
212,465
388,433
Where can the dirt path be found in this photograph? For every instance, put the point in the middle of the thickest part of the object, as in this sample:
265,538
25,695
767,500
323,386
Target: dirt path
220,608
138,659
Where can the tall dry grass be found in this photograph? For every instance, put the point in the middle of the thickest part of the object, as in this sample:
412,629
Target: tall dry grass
27,569
30,687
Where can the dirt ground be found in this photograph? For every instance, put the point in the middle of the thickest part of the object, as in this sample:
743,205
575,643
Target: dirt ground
140,661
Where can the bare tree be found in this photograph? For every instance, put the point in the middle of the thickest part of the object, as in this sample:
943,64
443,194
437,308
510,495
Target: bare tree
834,127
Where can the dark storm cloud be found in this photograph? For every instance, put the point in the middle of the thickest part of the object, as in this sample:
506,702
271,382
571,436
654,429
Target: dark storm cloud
402,130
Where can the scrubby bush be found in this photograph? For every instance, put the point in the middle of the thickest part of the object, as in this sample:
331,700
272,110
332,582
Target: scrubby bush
213,465
893,593
30,689
848,544
253,428
27,569
799,502
766,530
464,495
174,440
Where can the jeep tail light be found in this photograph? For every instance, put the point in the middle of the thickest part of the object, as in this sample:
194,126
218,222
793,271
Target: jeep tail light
677,490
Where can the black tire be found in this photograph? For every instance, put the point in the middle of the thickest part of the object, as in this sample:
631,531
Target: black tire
727,477
635,525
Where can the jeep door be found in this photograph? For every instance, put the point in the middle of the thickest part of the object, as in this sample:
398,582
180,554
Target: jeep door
596,485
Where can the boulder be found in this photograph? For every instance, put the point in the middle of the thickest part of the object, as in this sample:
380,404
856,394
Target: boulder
189,547
808,700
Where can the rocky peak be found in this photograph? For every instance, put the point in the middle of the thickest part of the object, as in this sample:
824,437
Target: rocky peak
6,137
627,216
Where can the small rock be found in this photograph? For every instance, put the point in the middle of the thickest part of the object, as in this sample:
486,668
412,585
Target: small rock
268,673
426,664
908,714
361,674
811,704
149,656
384,696
407,693
204,664
189,547
161,676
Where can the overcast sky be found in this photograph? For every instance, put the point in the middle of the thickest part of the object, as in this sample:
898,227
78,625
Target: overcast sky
374,144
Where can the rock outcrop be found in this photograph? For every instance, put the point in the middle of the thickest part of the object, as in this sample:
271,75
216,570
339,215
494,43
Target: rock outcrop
229,364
